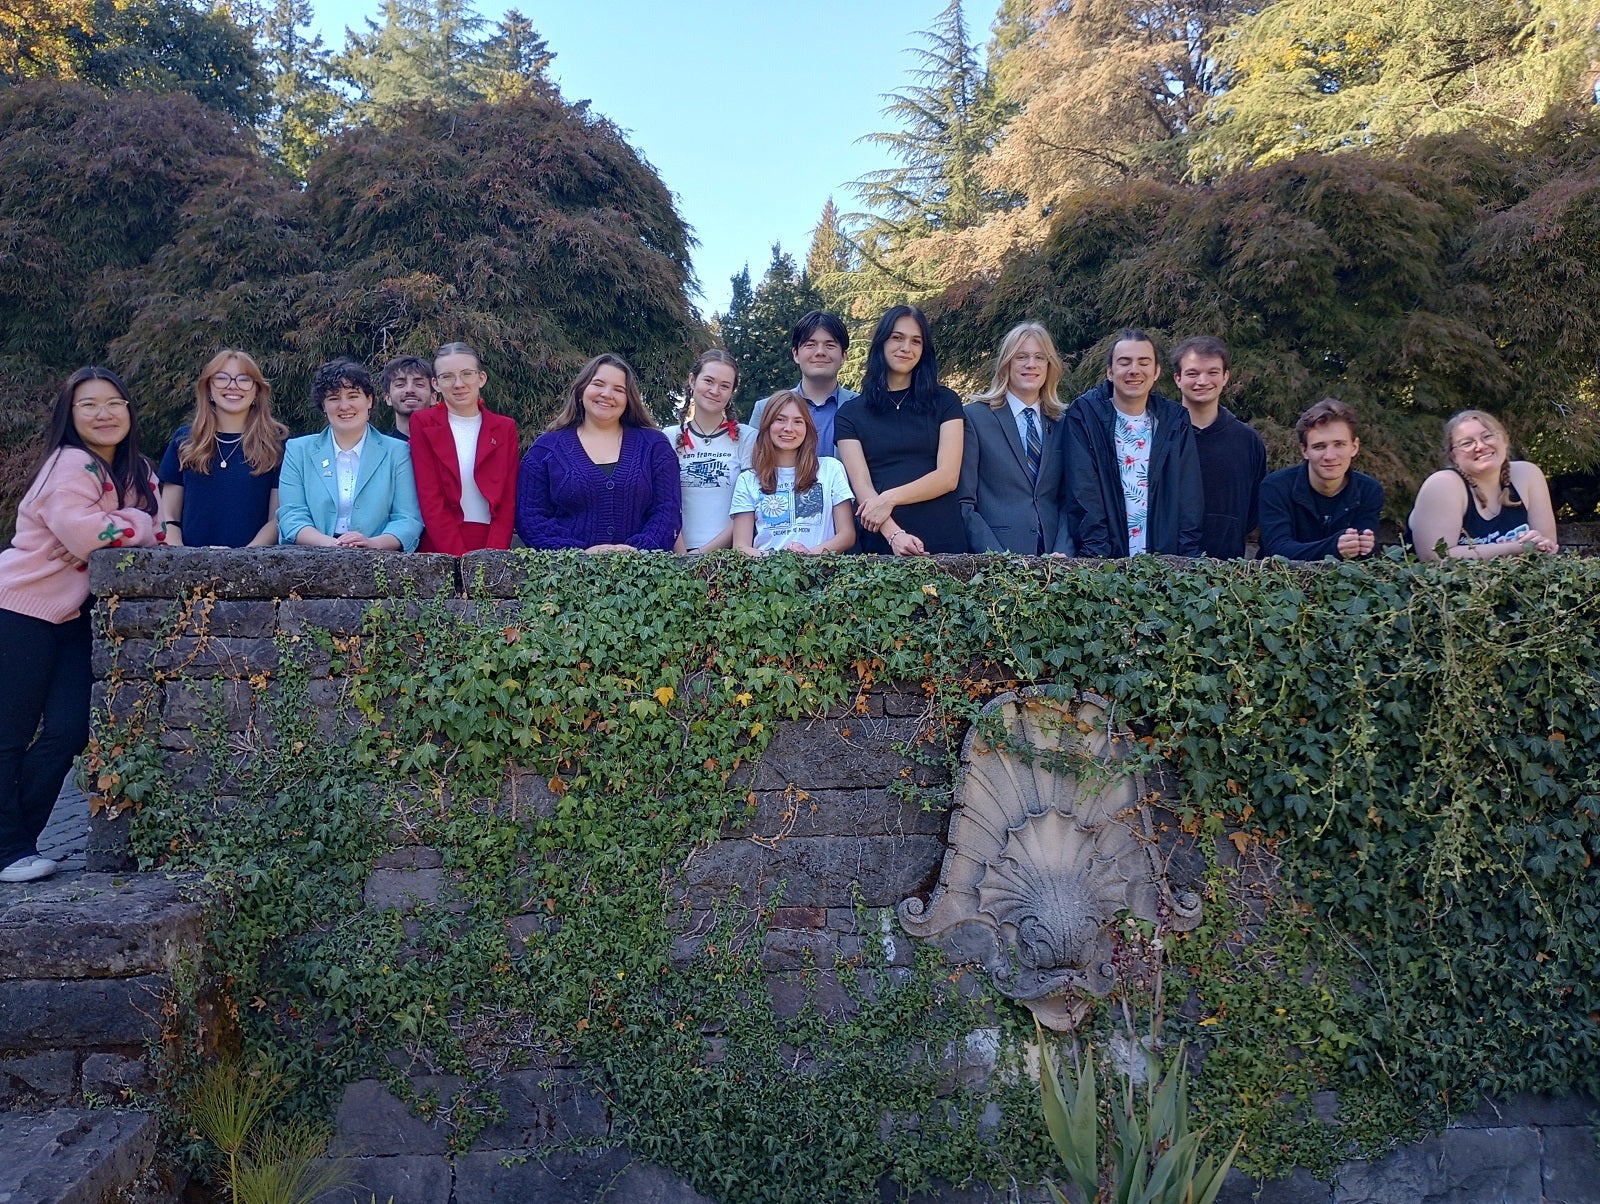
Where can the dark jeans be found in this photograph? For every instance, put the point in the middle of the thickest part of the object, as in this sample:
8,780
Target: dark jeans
47,678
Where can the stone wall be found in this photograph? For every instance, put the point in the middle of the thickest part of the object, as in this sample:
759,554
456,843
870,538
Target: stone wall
827,828
86,968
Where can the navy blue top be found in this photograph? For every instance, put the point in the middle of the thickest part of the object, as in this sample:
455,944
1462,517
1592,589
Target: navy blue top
1299,523
226,507
1233,461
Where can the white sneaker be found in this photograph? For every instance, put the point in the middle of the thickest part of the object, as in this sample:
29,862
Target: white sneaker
46,864
28,869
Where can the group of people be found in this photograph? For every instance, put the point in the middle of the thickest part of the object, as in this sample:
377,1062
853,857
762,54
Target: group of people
903,468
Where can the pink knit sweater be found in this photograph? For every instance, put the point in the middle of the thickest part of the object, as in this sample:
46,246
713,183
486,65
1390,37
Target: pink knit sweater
71,504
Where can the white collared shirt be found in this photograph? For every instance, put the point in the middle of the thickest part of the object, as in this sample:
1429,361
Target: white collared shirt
346,468
1017,407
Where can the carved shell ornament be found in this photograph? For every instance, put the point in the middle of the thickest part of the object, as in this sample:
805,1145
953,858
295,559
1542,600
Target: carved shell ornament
1050,842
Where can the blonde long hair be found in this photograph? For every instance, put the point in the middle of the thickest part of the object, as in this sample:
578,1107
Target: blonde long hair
1494,426
1010,347
263,434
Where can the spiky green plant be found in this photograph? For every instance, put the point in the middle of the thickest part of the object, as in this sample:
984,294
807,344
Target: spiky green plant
1151,1155
266,1162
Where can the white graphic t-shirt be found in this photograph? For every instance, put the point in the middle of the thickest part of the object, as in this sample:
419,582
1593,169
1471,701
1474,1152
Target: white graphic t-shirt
707,472
783,516
1133,437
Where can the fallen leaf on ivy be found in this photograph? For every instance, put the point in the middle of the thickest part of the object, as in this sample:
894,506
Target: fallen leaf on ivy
1241,840
665,695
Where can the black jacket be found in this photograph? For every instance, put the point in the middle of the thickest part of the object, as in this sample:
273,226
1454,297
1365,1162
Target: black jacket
1291,524
1097,516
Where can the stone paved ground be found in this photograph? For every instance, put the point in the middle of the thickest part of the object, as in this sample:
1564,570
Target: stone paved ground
65,836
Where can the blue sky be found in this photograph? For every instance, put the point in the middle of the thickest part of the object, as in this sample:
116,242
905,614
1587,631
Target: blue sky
749,111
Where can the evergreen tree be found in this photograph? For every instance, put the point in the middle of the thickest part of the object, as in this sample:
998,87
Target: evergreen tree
757,327
422,50
831,258
947,119
123,45
512,57
304,105
1318,75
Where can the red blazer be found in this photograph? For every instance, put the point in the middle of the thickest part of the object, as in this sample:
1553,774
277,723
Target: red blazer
433,457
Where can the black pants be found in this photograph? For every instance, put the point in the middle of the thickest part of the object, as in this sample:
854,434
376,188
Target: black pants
46,679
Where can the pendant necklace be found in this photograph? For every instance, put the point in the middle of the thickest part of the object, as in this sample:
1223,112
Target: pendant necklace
226,452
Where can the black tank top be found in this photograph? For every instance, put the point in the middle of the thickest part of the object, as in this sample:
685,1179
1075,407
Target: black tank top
1511,522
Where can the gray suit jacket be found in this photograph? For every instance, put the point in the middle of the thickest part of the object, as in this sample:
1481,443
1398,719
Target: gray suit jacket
1002,507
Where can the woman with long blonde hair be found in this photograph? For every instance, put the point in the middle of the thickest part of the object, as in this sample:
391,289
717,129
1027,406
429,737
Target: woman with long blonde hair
1485,504
219,476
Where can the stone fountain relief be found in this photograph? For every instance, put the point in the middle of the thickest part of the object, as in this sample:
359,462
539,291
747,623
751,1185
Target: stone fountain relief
1052,839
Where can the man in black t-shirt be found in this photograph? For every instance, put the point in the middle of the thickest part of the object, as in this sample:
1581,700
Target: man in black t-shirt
407,385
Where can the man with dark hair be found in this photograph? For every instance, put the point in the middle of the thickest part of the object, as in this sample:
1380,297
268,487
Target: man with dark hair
818,343
1133,478
1233,457
407,382
1322,508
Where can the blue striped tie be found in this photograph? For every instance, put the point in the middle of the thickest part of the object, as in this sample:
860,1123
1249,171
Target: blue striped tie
1035,447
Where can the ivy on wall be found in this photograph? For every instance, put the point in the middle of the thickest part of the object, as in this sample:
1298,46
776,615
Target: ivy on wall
1409,747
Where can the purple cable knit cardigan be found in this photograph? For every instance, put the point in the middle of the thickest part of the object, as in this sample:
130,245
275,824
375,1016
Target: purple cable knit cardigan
564,501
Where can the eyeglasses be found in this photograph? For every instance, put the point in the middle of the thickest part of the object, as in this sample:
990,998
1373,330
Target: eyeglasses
466,378
222,380
1466,445
95,409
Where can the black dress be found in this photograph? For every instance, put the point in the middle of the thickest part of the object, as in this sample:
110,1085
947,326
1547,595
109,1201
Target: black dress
900,445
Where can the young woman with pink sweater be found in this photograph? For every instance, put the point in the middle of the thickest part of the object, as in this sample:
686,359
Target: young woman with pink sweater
92,490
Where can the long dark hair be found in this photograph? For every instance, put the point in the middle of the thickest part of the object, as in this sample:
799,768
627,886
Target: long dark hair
129,471
924,377
571,412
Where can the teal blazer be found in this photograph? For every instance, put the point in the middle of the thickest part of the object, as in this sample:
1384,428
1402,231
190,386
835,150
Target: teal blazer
386,491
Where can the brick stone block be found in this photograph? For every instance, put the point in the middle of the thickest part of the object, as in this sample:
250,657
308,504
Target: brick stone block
403,889
845,754
88,1014
115,1077
337,616
256,573
228,656
801,949
807,812
497,574
1526,1109
411,857
576,1176
1464,1166
1571,1167
647,1183
97,926
546,1107
192,703
30,1080
411,1178
800,917
74,1155
1299,1188
791,992
372,1122
817,871
148,617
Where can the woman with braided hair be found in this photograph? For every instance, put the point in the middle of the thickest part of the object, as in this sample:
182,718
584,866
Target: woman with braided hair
713,448
1485,504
